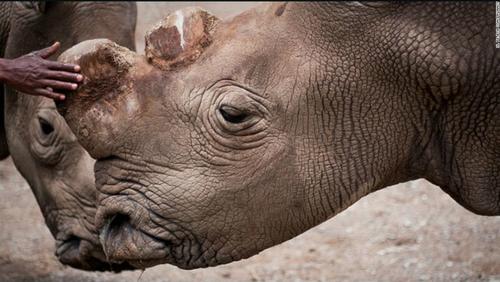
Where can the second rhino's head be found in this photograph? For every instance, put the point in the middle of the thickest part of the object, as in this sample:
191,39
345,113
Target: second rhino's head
44,150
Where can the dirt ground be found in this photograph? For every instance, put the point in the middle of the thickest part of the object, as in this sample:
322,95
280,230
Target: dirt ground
408,232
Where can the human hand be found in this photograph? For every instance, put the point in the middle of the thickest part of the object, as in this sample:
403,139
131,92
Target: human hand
35,75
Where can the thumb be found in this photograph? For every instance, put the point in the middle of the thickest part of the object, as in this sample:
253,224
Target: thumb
49,51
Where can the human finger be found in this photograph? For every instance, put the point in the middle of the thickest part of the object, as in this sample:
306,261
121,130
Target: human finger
56,84
63,66
65,76
49,51
50,94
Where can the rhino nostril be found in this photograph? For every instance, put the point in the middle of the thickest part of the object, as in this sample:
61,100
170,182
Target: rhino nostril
113,223
119,220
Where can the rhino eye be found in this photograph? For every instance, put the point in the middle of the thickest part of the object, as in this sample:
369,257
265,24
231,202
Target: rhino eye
45,126
232,115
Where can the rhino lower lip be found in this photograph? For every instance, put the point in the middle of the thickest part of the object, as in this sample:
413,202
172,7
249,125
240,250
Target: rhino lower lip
68,252
121,240
65,245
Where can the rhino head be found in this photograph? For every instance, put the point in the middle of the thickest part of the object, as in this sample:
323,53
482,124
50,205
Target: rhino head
229,137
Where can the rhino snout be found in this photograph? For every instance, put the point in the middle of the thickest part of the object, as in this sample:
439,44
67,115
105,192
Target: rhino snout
100,107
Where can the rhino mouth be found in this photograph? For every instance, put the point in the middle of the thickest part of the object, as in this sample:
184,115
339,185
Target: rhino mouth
122,241
75,252
131,228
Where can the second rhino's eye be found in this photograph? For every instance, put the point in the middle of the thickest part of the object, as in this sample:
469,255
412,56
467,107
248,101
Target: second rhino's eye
232,115
47,137
45,126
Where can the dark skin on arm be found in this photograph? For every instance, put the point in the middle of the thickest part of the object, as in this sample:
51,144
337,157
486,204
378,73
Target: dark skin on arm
33,74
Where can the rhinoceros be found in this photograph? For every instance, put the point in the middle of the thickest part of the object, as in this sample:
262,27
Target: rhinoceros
43,148
229,137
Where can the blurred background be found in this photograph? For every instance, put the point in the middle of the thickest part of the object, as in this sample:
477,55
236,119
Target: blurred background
408,232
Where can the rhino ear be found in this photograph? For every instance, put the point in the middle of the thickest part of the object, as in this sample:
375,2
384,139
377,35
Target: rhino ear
4,149
181,38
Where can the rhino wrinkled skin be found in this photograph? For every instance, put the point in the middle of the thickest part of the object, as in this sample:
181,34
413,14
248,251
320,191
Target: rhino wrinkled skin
43,148
212,149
